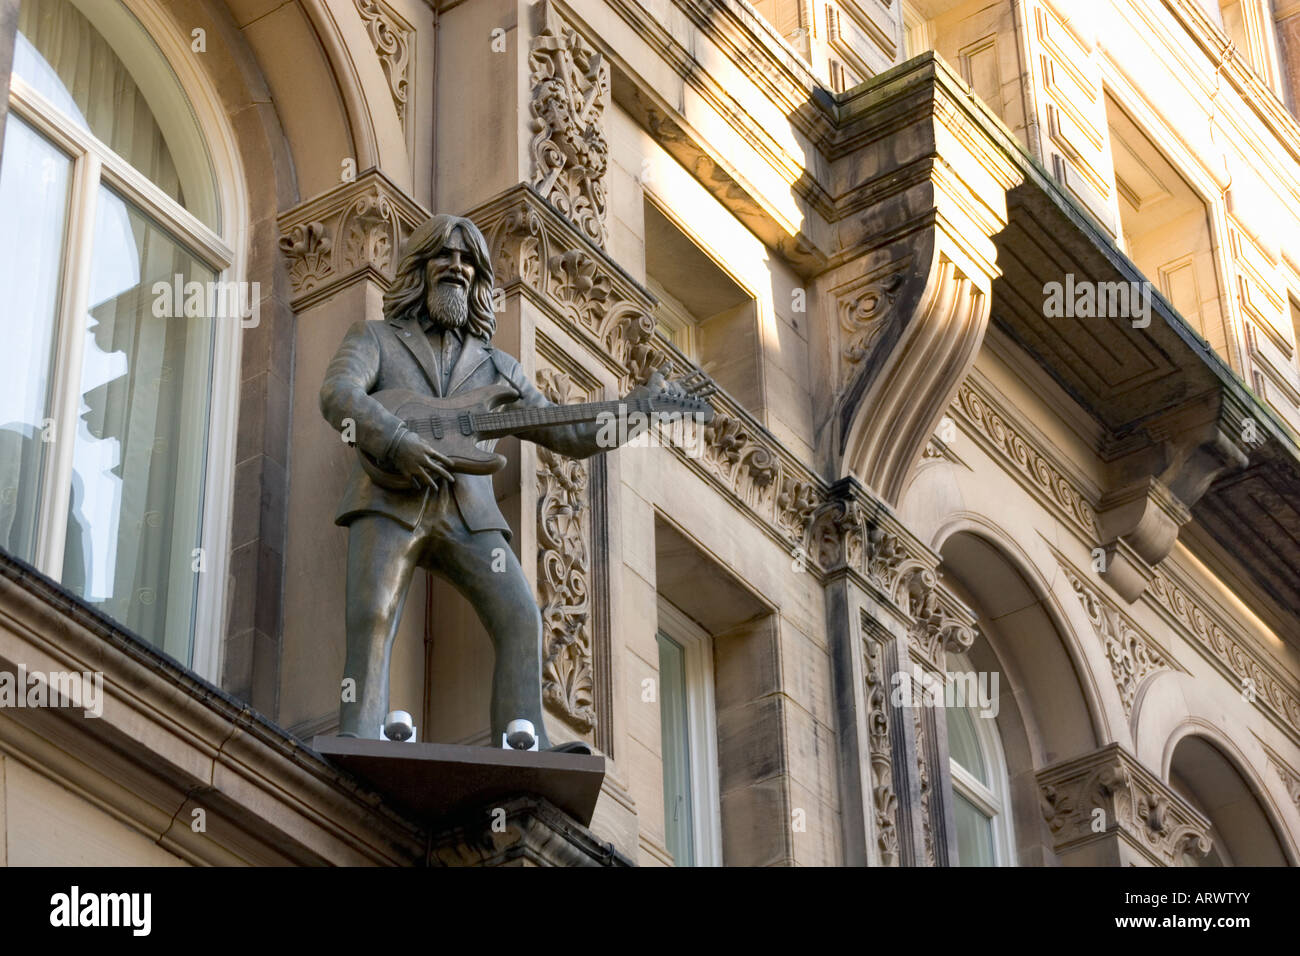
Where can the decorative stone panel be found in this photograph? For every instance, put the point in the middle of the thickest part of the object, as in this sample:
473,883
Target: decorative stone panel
570,90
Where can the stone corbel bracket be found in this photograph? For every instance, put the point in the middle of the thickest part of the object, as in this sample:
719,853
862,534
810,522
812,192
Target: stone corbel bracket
912,283
352,232
1136,807
1158,474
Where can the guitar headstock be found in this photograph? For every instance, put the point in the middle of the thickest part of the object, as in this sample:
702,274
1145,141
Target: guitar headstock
688,395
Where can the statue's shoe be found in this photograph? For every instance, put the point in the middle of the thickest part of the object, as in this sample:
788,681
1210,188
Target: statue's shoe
572,747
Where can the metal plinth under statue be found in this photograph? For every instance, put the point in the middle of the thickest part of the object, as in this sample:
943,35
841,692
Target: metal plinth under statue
423,396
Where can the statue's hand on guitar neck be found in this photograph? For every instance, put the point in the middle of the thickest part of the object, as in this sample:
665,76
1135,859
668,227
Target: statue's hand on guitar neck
696,384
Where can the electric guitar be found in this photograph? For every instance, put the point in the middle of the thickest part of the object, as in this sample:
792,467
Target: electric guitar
454,426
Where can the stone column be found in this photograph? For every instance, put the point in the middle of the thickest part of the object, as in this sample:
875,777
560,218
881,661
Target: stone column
887,614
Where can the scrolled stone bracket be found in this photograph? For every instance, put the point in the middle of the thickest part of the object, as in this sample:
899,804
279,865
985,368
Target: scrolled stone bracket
1158,474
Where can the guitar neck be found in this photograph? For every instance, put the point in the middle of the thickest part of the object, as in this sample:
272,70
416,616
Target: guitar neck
497,424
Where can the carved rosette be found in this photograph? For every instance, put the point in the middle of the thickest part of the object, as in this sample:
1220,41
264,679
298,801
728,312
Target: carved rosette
1133,658
570,90
1132,802
391,36
351,231
563,573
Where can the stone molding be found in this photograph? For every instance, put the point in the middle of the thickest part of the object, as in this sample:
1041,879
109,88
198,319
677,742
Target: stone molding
1223,646
854,532
352,232
1137,807
564,572
1210,632
1039,472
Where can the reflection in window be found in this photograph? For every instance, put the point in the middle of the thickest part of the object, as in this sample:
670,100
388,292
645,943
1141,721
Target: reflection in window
34,186
142,433
105,405
138,111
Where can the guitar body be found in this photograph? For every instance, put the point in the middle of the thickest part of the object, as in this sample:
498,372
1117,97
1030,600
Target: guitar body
447,425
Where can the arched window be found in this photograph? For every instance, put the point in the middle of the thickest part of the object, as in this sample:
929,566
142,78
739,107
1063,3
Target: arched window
110,256
979,782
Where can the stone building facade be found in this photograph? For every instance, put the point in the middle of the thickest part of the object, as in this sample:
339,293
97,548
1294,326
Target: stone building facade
1002,298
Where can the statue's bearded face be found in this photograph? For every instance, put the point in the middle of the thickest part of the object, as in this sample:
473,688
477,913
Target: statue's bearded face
449,275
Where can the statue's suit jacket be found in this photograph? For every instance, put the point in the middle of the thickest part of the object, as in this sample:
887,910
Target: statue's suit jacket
397,354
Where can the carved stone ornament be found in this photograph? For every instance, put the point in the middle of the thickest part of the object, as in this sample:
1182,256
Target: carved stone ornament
1133,658
391,36
570,90
563,573
884,800
1212,633
353,230
864,310
1108,793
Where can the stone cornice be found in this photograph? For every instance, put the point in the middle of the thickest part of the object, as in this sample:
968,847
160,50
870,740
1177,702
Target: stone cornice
1221,643
1135,804
179,744
1005,438
353,231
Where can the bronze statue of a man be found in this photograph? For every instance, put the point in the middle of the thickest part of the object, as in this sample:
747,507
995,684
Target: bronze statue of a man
434,341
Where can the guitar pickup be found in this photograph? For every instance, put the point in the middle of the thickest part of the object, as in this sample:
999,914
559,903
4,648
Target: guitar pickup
466,426
435,427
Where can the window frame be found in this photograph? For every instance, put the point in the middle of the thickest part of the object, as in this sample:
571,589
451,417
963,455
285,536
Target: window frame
701,730
992,799
94,164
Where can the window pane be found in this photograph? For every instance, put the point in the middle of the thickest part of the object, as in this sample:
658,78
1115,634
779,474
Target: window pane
96,64
963,743
142,434
675,739
34,183
974,834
